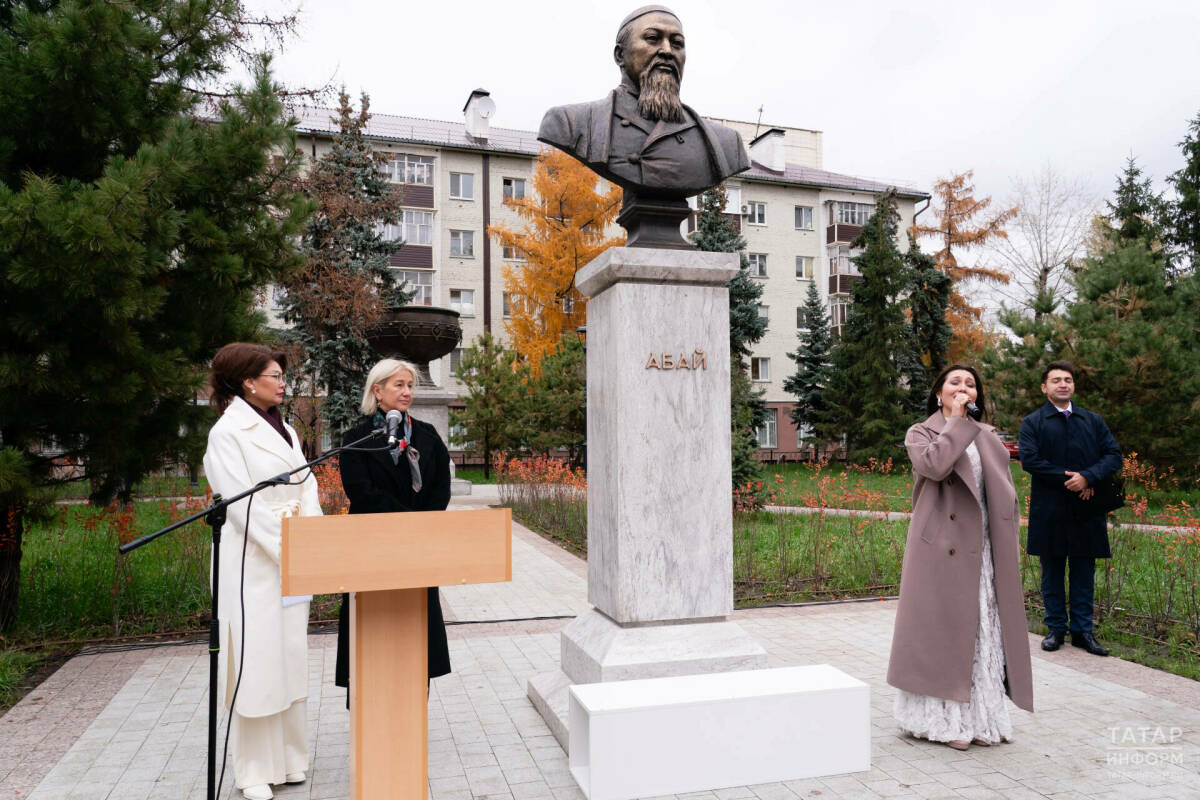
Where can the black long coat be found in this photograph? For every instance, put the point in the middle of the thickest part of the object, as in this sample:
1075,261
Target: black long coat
1051,444
375,485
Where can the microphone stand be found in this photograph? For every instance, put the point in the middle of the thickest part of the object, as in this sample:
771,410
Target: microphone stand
214,516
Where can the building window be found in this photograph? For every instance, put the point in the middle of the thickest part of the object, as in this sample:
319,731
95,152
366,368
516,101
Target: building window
416,227
804,218
760,369
511,253
507,303
801,320
458,435
463,301
837,311
462,244
514,188
568,305
767,432
764,314
841,260
405,168
854,213
455,357
758,265
804,268
462,186
758,213
420,283
804,433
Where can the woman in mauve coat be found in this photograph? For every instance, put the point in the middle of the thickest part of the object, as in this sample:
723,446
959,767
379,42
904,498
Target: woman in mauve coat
961,640
415,476
248,444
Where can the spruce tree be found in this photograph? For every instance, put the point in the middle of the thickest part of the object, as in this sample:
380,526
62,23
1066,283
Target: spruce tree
869,407
1183,215
716,233
809,384
346,280
492,418
929,293
1012,369
1135,209
138,227
556,402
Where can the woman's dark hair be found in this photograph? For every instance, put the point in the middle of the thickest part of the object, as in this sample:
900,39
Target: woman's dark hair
1065,366
931,404
233,364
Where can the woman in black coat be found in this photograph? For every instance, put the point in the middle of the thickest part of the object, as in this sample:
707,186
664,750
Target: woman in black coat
414,476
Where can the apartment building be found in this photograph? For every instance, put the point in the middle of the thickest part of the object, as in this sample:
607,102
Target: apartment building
797,218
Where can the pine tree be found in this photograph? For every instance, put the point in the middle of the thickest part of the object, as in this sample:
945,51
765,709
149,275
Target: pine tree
870,408
717,233
491,418
1184,211
928,300
957,230
566,220
809,384
1012,369
346,281
1136,343
137,228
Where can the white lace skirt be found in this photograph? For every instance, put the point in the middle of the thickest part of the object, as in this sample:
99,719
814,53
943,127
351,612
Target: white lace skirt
985,716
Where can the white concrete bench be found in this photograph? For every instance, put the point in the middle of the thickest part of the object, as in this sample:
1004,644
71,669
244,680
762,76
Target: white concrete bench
643,738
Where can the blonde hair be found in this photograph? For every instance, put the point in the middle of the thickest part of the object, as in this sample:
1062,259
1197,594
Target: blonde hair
379,374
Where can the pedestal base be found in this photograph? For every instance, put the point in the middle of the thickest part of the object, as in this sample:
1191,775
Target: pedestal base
596,650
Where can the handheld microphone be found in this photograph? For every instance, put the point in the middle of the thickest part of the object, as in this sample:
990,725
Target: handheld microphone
973,411
394,420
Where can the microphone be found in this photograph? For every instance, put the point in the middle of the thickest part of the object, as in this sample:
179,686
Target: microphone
394,420
974,411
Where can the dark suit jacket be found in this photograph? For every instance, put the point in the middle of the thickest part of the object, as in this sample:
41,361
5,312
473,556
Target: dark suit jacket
665,159
375,485
1051,445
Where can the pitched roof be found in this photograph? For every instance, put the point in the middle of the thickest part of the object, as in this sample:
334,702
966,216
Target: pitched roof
416,130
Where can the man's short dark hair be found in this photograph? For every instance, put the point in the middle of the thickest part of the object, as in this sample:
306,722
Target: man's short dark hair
1065,366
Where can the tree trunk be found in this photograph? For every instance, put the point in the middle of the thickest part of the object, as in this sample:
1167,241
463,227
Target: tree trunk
12,526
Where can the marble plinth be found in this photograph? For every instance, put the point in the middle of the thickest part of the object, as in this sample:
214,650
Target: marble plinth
595,649
432,405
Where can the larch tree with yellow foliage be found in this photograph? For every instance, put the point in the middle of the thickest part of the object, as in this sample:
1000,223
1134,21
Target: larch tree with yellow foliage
957,230
566,218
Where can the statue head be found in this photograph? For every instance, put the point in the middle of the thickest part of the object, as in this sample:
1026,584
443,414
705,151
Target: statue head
650,52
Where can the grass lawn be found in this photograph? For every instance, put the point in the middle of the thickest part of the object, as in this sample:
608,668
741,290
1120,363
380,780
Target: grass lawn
889,488
150,486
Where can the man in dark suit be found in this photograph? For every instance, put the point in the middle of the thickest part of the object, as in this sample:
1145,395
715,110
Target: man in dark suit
1067,450
641,136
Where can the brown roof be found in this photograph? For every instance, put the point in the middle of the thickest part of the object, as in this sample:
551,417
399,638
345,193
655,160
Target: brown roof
808,176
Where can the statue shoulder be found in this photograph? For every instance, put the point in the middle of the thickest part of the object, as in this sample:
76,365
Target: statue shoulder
569,127
730,143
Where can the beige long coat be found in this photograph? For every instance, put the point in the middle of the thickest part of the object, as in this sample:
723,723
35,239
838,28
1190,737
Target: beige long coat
244,449
937,621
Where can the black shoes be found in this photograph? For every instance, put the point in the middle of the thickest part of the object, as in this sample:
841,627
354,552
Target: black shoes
1054,640
1085,640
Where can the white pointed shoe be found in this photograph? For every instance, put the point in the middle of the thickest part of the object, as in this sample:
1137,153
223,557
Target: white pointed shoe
296,777
259,792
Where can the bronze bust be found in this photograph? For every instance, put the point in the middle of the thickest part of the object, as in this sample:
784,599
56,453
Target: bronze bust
642,137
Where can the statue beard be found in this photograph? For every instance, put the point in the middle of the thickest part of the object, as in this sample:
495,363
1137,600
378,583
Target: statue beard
658,96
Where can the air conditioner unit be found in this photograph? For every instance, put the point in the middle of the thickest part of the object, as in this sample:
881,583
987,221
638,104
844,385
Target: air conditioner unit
745,211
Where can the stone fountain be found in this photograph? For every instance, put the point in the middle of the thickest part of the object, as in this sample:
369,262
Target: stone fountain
422,334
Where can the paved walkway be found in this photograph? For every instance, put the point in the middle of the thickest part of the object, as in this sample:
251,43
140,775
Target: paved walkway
131,725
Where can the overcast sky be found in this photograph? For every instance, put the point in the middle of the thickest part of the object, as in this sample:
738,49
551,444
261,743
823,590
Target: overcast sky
903,91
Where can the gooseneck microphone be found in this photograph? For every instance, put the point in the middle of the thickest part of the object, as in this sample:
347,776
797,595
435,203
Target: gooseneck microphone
393,422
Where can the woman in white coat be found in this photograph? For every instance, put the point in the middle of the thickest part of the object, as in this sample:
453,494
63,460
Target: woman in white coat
248,444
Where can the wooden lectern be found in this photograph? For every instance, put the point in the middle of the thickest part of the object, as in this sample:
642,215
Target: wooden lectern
388,560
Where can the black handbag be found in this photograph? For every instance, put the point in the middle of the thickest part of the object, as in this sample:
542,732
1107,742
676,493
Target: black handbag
1107,495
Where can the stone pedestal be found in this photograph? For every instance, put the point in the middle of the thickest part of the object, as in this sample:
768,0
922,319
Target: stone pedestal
432,404
660,517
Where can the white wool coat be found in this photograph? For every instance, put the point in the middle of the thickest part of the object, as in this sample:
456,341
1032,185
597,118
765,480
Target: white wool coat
244,449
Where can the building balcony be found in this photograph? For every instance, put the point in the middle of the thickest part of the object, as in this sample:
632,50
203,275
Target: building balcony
842,233
840,284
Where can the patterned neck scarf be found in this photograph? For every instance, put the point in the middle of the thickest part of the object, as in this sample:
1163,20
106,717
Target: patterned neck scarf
404,446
